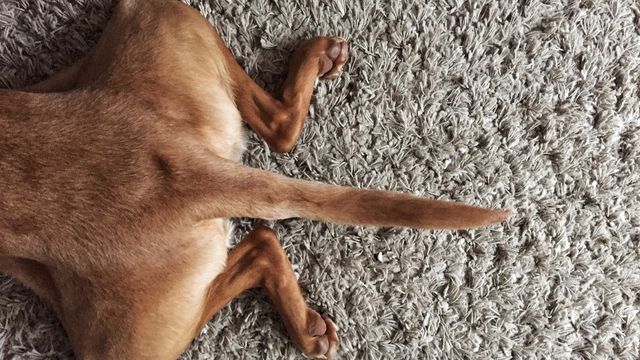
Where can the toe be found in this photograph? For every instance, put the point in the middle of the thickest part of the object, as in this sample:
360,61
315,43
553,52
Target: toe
335,50
326,64
332,337
316,324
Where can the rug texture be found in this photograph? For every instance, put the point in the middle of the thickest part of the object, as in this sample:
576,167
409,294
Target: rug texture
532,105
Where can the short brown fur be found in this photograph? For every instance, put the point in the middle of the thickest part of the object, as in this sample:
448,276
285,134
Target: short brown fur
117,174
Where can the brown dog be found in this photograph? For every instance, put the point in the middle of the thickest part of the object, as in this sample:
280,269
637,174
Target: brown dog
117,175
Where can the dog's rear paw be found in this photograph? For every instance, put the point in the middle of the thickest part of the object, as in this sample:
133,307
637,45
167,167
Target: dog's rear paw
322,342
334,58
330,52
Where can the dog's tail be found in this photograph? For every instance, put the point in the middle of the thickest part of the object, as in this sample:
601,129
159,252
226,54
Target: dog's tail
241,191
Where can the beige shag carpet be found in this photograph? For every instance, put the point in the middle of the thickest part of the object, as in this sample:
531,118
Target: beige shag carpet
528,104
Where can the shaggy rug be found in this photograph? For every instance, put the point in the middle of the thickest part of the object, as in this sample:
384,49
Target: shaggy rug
532,105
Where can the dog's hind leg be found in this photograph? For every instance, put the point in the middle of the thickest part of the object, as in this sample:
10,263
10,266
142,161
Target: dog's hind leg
259,261
279,120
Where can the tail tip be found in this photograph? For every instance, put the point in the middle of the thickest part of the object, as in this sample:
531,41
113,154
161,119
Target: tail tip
500,215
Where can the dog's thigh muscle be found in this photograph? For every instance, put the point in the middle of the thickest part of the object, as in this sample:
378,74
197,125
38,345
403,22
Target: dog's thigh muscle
149,313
